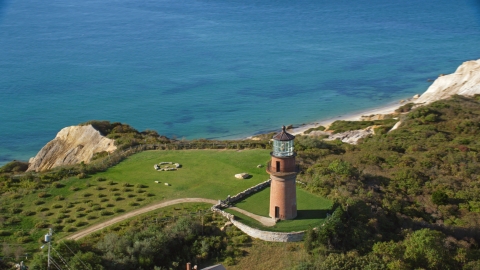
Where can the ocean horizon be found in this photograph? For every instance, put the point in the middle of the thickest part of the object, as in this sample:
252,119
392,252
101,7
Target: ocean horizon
217,69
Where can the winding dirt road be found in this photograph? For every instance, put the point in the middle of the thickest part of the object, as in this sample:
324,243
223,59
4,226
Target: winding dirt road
265,221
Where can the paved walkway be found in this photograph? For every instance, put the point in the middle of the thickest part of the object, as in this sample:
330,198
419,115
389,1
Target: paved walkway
265,221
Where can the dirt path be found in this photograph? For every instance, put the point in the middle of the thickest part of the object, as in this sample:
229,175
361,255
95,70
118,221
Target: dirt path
131,214
264,220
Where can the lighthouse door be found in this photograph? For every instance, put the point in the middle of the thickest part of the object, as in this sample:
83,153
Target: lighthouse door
277,211
278,166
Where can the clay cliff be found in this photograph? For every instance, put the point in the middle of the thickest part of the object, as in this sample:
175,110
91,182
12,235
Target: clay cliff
71,145
464,81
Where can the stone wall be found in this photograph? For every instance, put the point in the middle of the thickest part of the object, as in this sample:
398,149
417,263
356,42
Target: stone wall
269,236
249,191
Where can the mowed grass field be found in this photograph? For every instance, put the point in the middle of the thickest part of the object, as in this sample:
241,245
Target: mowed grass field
204,173
311,211
74,204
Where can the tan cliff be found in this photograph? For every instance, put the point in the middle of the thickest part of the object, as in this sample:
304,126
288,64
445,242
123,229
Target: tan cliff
72,145
464,81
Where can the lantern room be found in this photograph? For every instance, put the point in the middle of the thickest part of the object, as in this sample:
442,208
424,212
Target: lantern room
283,144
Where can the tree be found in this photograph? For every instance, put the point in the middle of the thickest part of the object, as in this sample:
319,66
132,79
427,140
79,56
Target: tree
425,249
439,197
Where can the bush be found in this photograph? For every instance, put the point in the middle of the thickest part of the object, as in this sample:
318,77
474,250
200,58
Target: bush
82,175
59,198
41,225
56,206
80,223
23,239
15,210
38,202
101,179
439,197
5,233
28,213
42,195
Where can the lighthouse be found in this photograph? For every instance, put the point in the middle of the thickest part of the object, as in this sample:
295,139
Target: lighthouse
283,173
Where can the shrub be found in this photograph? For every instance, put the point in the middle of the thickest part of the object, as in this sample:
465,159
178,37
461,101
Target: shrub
41,225
5,233
104,200
72,188
80,223
56,206
111,183
15,210
132,203
42,209
82,175
439,197
14,220
105,213
28,213
23,239
42,195
131,195
101,179
38,202
118,210
59,198
57,185
139,199
90,217
69,229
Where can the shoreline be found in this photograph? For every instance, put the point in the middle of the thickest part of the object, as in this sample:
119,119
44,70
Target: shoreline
354,116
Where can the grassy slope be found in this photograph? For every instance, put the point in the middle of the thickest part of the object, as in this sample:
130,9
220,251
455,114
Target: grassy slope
312,210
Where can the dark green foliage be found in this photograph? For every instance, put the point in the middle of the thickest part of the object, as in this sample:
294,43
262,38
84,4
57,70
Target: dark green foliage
439,197
320,128
14,167
342,126
405,108
425,173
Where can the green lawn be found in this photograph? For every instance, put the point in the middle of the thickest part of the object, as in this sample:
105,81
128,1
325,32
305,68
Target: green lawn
73,204
204,173
311,210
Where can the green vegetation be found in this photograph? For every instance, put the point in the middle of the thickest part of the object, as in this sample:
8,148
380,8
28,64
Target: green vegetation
404,200
319,128
311,209
164,239
73,203
342,126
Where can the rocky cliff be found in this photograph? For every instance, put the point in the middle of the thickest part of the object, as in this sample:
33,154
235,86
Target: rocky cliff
71,145
464,81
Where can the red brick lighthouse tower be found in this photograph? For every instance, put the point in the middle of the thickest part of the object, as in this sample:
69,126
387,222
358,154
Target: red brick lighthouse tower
283,172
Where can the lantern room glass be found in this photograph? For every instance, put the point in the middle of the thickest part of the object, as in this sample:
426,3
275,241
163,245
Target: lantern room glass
282,148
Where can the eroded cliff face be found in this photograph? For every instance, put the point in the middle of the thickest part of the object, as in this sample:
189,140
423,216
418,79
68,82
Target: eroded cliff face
72,145
464,81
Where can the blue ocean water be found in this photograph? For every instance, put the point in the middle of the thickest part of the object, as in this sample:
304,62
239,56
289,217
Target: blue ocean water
217,69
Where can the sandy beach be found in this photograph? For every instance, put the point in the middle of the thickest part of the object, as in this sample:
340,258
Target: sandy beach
386,109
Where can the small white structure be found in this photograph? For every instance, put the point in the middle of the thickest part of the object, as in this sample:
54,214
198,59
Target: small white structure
167,184
242,175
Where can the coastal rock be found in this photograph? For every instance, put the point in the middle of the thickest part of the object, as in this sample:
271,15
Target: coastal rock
464,81
72,145
352,136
